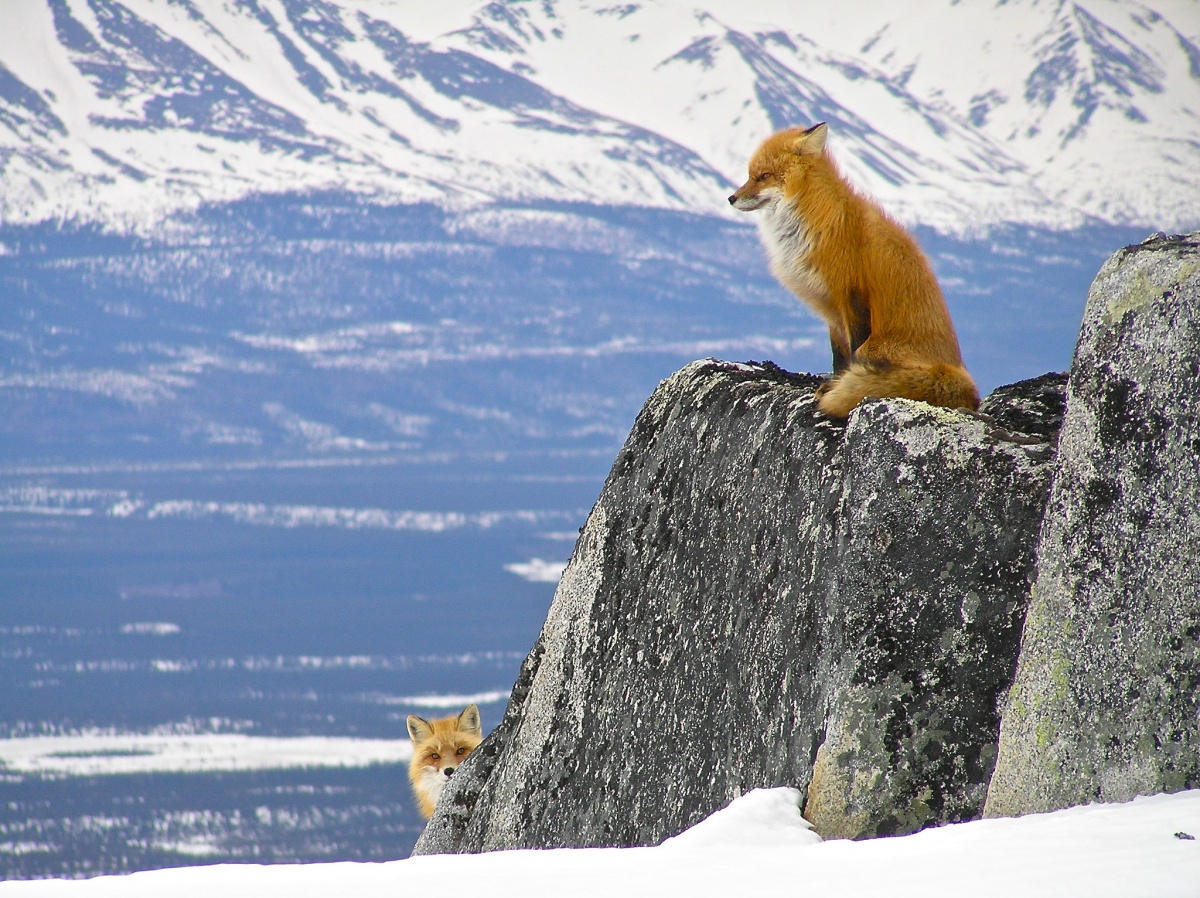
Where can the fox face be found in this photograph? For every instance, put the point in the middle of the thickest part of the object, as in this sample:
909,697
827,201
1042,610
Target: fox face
777,165
439,746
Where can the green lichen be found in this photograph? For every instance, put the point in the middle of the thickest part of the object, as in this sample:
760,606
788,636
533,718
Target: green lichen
1141,290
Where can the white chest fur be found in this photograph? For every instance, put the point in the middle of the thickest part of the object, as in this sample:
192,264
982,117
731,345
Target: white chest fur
788,243
432,782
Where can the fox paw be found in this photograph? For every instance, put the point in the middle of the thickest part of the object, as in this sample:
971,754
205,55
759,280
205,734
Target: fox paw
832,399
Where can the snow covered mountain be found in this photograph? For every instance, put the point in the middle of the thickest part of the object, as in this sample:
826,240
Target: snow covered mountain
955,115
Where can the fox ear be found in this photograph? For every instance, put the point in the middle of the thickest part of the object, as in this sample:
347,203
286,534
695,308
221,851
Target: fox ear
468,720
418,728
812,141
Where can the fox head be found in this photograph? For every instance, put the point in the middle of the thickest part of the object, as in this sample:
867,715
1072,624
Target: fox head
439,746
780,157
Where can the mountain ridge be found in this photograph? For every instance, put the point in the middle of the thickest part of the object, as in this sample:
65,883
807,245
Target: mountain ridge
127,111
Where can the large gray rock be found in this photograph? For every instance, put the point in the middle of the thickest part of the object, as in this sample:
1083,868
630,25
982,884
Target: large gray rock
759,590
932,562
1106,702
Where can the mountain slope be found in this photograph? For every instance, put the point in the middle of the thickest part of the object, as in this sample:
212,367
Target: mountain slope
955,115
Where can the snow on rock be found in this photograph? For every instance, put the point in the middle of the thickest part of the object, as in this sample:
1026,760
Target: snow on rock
762,818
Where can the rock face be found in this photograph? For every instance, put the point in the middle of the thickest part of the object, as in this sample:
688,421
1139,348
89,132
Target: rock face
764,597
931,557
1106,701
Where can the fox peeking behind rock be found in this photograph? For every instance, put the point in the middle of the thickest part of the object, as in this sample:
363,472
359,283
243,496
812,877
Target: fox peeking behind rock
861,272
439,746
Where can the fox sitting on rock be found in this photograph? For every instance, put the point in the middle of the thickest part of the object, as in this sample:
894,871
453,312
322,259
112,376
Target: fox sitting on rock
889,327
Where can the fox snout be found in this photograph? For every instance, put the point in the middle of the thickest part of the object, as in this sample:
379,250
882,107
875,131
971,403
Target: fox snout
448,771
749,197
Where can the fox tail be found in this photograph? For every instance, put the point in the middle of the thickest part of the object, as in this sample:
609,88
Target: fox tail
949,386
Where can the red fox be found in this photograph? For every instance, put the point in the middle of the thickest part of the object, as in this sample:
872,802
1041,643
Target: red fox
439,746
889,327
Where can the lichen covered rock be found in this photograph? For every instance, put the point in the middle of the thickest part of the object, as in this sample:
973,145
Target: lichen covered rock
1106,702
759,590
932,564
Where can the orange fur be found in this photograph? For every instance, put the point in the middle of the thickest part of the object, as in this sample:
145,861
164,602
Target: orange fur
439,746
889,327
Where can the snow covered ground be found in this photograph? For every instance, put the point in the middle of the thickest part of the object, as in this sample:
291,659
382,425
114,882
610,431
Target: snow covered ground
758,845
102,754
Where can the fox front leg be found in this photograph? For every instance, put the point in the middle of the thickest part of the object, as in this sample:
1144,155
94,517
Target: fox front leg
842,356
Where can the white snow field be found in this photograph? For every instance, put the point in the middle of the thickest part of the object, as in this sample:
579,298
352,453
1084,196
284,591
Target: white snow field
105,754
759,845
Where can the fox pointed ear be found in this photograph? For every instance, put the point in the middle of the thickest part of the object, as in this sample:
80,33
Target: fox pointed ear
468,720
812,141
418,728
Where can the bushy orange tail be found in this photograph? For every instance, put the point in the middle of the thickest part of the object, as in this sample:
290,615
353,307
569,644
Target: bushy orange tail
949,386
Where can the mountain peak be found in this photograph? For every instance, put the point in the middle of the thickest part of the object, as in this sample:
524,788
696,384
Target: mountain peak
132,109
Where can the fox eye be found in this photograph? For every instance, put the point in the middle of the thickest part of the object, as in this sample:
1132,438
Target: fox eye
435,757
765,176
461,751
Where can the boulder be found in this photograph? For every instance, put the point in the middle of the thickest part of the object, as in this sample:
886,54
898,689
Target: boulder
1106,701
764,597
932,563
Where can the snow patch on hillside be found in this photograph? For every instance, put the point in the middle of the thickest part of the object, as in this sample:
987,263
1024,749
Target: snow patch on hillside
110,754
